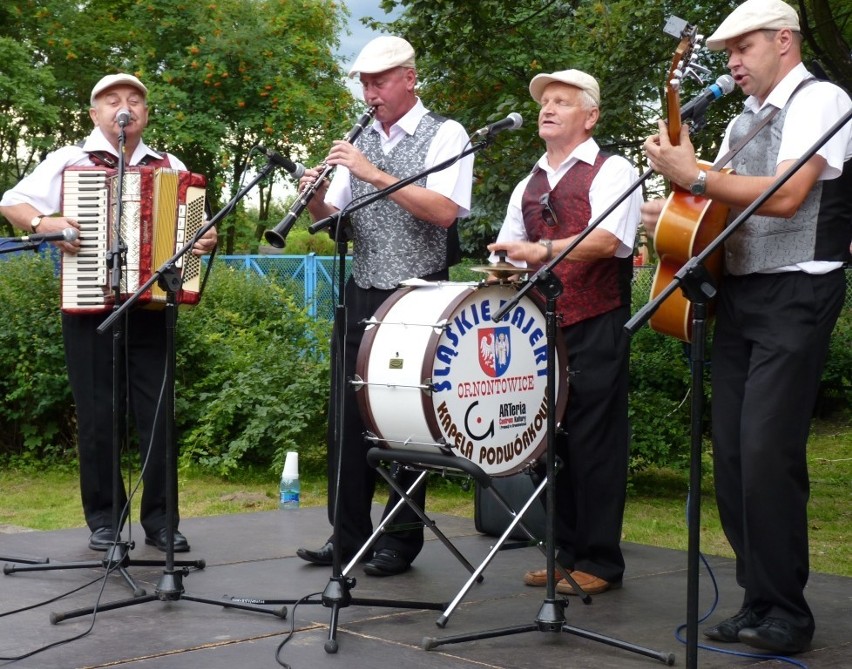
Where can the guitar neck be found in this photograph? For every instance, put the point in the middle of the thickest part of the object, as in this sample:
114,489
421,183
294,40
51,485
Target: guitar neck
673,115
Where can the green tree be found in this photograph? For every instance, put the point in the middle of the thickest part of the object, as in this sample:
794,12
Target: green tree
20,84
475,61
234,74
222,76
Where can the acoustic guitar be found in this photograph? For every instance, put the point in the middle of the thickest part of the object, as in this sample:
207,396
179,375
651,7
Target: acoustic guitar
687,223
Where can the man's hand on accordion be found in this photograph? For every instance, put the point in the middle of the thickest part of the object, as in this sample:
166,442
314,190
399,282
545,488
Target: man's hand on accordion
206,243
58,224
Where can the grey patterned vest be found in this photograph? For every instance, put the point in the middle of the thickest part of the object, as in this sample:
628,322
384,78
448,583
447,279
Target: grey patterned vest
389,244
815,232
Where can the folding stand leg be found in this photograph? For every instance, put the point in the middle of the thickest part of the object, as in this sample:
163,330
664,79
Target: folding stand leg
551,615
405,498
516,521
385,521
419,459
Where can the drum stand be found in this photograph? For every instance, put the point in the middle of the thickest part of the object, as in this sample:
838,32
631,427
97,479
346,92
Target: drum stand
436,461
336,594
551,615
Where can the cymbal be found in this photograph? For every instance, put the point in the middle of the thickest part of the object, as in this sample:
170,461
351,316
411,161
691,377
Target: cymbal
501,270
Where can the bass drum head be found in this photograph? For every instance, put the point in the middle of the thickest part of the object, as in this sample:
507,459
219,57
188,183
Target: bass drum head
441,376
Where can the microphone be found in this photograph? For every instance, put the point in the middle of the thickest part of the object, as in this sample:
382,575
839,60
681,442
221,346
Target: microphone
512,122
296,169
123,117
698,105
66,235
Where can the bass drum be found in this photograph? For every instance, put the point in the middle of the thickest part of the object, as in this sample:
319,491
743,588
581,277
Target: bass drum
436,374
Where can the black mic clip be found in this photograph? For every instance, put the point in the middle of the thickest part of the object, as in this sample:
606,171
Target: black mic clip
697,120
338,227
295,169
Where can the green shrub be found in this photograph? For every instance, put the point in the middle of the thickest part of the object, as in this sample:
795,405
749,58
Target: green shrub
835,394
36,413
300,242
253,376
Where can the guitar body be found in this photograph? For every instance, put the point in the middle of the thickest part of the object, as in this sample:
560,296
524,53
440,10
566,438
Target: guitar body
687,225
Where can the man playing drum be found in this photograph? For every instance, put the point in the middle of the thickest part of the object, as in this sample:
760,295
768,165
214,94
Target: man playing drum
572,183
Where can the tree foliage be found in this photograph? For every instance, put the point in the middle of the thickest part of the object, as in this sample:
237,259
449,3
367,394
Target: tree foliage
475,62
222,77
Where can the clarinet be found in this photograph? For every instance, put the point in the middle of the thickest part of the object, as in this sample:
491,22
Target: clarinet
277,235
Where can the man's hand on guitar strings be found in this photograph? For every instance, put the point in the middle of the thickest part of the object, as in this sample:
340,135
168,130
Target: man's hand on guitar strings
675,162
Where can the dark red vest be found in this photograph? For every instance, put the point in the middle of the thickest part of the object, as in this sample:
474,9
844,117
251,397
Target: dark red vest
589,288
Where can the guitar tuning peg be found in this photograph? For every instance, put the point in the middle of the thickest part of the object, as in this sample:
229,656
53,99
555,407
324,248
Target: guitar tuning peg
691,73
699,67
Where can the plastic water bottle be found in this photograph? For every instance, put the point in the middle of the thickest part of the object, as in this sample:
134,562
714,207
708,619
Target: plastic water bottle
289,490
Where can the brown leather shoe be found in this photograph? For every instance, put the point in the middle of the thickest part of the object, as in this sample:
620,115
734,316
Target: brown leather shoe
590,584
538,577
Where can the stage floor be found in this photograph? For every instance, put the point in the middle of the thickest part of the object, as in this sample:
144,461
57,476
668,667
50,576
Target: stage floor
253,557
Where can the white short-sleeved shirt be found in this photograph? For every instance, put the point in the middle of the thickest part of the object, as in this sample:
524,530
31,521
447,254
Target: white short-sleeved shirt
454,182
612,180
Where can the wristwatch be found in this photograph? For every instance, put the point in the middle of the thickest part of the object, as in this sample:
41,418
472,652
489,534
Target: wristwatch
699,186
548,245
35,223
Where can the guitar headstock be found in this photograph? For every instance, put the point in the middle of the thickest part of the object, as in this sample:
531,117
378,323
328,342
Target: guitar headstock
684,64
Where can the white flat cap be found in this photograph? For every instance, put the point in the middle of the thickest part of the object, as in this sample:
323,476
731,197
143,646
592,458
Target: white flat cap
383,53
754,15
576,78
114,80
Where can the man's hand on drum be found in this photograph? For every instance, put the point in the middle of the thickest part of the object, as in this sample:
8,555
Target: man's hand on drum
532,253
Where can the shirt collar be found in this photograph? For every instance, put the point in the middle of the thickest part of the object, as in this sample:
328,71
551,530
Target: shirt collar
780,95
96,141
587,152
408,123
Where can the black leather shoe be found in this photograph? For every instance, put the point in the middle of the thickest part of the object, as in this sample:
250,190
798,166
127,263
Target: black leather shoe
777,636
386,562
325,555
322,556
102,539
160,539
728,629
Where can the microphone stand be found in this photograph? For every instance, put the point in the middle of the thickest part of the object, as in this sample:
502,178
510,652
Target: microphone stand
697,286
551,615
26,245
170,586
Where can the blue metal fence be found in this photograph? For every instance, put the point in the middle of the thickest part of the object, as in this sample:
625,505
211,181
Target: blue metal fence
317,276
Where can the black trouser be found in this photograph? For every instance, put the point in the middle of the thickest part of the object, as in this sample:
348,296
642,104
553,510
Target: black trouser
358,479
592,484
89,357
770,344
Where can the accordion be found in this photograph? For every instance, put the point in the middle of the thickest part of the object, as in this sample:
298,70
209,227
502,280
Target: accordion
161,209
